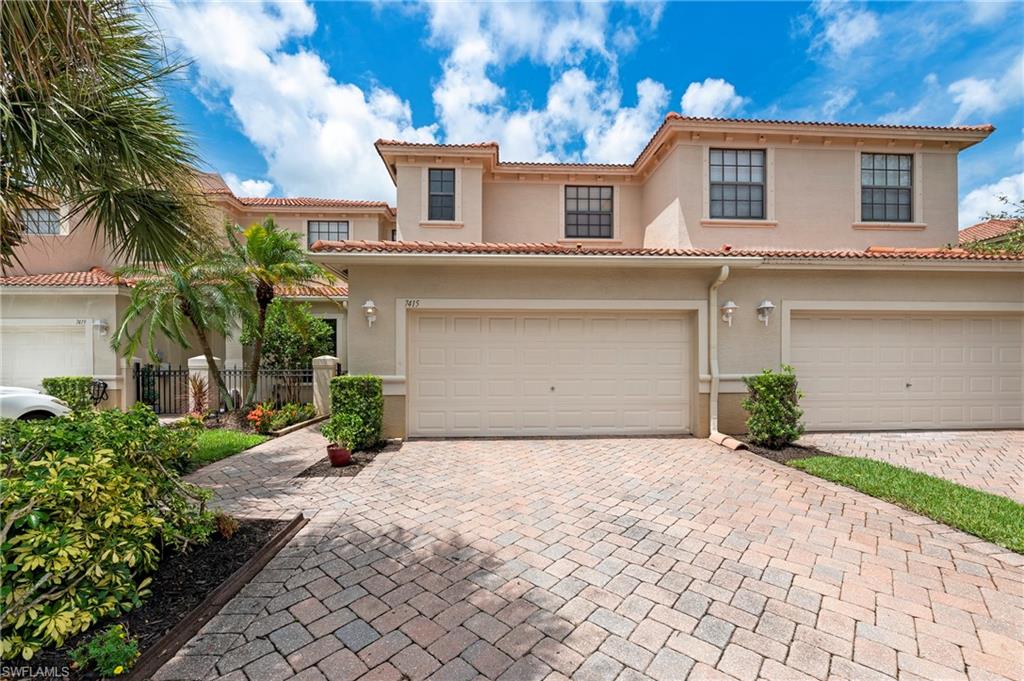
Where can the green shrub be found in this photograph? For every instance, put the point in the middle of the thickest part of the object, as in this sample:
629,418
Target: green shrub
343,430
772,404
362,397
89,503
75,390
111,652
291,413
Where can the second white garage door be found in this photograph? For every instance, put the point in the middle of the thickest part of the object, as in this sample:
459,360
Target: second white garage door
920,371
547,373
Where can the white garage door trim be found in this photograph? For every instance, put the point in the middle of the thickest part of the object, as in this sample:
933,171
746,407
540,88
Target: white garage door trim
85,325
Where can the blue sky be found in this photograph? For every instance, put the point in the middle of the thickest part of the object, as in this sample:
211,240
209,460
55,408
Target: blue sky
286,98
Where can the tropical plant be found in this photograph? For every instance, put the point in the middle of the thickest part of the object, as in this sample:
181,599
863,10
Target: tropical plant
111,652
261,416
343,429
76,391
269,256
86,128
202,297
88,504
773,407
292,336
1012,241
199,393
361,397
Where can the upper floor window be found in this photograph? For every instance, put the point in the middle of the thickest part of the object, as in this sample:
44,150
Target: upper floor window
588,212
41,220
442,194
886,181
326,230
737,183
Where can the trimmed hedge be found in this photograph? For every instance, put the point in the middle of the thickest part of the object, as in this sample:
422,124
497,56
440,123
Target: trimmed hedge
773,407
75,390
361,400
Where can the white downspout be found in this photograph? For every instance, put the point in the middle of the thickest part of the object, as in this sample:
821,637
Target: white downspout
715,436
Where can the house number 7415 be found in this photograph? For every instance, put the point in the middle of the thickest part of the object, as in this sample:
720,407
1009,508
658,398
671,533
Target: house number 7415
413,302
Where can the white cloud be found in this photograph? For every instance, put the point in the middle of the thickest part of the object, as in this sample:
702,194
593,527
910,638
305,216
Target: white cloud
315,132
240,187
843,27
988,96
838,99
982,201
713,97
985,12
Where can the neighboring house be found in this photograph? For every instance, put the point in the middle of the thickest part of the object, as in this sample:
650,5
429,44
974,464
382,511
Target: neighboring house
58,308
574,299
989,232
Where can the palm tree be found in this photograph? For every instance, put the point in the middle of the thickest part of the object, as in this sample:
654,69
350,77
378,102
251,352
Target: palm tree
85,127
269,257
205,296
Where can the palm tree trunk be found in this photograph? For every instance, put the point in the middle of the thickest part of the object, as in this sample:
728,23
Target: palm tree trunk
264,296
211,364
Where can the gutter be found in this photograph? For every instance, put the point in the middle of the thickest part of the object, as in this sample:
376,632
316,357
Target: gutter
716,436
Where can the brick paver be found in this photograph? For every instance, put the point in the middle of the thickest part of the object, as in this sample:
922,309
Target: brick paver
603,559
992,461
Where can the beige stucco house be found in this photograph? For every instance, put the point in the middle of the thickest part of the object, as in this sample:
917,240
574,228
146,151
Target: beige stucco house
58,308
577,299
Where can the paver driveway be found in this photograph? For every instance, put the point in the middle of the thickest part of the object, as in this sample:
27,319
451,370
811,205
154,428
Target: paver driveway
989,460
605,559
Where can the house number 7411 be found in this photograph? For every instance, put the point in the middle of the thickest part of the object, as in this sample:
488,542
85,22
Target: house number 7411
413,302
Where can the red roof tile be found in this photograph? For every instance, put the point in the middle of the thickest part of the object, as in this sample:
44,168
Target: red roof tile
468,145
438,247
990,229
832,124
307,202
96,276
339,290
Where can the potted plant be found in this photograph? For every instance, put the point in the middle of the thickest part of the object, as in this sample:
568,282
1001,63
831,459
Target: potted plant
341,431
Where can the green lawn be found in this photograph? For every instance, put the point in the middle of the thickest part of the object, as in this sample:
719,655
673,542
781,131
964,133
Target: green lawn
215,444
991,517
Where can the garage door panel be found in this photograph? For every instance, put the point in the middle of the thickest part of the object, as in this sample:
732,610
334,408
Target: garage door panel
873,372
31,353
549,373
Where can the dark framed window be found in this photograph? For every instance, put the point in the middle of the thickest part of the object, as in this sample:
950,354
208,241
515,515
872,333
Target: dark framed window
442,194
326,230
41,221
588,212
886,187
737,183
394,235
333,323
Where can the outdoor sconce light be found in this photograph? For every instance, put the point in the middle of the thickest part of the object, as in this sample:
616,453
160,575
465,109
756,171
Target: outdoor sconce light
101,326
370,310
728,310
764,310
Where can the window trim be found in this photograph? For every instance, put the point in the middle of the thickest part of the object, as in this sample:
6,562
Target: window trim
769,219
348,229
614,214
736,183
63,225
454,194
916,195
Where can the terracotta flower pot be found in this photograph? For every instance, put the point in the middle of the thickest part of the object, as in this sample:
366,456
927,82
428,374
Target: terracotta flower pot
338,455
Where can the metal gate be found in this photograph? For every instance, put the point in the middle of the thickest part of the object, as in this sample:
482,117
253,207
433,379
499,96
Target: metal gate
164,389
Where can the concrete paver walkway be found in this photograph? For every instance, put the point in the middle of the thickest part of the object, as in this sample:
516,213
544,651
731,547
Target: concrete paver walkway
989,460
602,559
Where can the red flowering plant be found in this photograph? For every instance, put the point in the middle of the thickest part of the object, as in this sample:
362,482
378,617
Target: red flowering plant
261,418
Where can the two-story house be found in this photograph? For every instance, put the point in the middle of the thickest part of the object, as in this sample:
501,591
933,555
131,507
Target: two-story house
59,307
574,299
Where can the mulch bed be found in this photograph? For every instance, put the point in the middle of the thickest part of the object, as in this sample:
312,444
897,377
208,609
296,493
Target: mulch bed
786,454
180,584
232,420
360,460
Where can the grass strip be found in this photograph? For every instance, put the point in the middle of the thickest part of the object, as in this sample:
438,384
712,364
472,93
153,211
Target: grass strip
218,443
991,517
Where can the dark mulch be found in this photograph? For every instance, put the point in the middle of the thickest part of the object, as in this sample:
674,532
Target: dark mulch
180,584
786,454
232,420
360,460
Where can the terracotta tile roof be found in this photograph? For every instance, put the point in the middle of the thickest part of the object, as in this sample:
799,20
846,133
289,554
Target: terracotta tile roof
308,202
831,124
338,290
990,229
212,183
95,276
468,145
439,247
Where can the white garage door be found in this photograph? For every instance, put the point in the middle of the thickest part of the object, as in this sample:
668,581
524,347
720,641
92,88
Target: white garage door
548,373
878,372
28,354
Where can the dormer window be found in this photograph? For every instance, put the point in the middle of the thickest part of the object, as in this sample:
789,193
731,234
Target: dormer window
737,183
42,221
886,184
326,230
441,194
588,212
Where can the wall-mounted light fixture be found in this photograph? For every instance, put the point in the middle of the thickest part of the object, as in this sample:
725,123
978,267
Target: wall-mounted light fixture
370,310
728,310
101,326
764,310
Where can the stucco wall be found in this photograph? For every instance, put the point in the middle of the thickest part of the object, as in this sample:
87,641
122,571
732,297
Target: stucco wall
745,347
413,222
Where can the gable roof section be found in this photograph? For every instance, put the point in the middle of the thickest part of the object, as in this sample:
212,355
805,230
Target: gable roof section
990,229
213,186
449,248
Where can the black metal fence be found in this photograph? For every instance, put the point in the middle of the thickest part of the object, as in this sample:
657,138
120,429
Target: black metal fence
166,389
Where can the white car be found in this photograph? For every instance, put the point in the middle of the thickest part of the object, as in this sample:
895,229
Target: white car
28,404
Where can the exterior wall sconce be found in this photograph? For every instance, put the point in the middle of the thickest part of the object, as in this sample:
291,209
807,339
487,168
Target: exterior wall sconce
101,326
764,310
728,310
370,310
